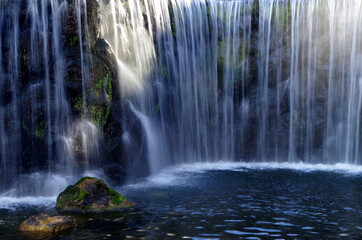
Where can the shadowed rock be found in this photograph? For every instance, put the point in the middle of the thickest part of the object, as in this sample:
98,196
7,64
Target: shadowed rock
46,224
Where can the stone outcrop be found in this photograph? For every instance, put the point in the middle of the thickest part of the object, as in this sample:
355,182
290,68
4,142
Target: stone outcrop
91,195
46,224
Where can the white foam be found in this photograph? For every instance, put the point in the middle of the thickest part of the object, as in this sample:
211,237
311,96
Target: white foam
14,203
40,190
242,166
183,174
305,167
179,175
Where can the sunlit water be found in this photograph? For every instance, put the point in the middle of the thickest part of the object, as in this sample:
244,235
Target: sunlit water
220,201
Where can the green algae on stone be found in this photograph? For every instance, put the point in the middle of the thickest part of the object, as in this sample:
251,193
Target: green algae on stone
73,40
91,195
82,194
96,112
39,131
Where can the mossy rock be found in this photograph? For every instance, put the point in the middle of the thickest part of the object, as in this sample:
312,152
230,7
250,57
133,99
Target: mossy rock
91,195
45,224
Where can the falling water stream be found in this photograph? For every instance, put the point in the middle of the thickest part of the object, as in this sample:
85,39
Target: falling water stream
302,59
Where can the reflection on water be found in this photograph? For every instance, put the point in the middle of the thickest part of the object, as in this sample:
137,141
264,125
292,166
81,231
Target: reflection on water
222,203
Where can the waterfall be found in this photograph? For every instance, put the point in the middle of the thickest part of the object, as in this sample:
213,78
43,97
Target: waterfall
9,73
33,98
184,91
207,80
154,142
233,79
85,130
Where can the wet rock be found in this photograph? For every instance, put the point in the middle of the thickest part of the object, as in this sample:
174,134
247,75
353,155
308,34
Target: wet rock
125,143
46,224
91,195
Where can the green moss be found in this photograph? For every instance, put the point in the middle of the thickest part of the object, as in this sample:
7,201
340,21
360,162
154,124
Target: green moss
39,131
104,83
66,197
69,190
73,40
72,198
96,114
82,179
99,114
112,191
72,194
82,194
117,198
100,182
78,103
100,84
107,114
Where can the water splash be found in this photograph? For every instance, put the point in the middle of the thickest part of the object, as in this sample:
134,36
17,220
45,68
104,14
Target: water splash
184,174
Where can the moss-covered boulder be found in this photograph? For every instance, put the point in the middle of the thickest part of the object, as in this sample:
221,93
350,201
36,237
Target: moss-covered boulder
46,224
91,195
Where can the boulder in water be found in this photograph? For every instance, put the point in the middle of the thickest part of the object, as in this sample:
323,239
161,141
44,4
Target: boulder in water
46,224
91,195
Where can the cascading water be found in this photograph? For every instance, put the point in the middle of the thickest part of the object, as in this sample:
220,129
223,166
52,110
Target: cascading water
300,102
43,109
34,107
267,80
225,85
325,79
123,26
184,97
9,71
85,129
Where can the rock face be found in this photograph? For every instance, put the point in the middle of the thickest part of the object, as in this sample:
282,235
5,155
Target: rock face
91,195
46,224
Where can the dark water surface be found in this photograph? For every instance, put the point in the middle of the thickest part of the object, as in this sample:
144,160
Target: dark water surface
220,203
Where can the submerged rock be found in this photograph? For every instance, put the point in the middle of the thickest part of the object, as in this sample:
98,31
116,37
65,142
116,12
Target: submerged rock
46,224
91,195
